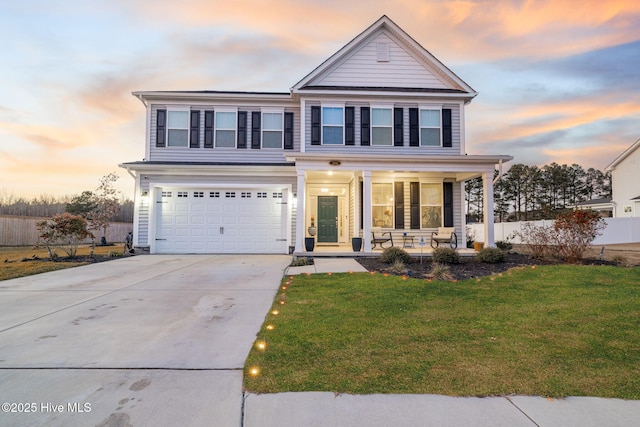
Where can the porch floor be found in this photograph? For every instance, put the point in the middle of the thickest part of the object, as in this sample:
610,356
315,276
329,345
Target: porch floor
347,251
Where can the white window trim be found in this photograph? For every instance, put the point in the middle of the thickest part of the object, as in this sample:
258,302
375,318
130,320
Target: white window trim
262,130
215,126
179,109
437,107
322,107
381,107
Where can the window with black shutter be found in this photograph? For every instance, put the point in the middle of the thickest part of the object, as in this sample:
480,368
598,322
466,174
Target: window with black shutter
242,129
255,129
288,131
161,128
365,126
315,125
194,131
208,129
398,127
447,134
349,126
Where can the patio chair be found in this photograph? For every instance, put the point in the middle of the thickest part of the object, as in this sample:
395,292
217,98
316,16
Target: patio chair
445,235
379,237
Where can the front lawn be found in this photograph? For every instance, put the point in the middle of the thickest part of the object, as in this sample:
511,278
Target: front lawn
549,331
20,261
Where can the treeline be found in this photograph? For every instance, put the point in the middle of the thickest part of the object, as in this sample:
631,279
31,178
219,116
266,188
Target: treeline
47,206
528,193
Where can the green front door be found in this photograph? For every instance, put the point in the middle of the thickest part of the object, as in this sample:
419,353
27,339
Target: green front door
327,219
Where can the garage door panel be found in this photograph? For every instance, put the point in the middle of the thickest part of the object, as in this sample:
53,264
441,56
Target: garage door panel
220,221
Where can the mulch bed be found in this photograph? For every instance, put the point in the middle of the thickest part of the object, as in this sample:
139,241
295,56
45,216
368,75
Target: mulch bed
468,268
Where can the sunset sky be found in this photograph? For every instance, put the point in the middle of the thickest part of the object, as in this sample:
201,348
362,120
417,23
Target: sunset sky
558,80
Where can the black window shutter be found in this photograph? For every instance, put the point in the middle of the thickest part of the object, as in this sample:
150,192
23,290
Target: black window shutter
414,128
208,129
255,129
315,125
414,205
365,126
161,128
194,134
242,129
349,125
288,131
398,128
447,136
398,197
447,195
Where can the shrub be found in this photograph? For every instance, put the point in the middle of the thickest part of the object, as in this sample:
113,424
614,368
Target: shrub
505,245
576,230
538,240
398,267
301,261
491,255
63,230
393,254
440,272
445,256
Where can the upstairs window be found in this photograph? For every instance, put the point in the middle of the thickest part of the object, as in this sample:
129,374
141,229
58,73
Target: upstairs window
430,128
225,128
333,125
381,126
177,128
272,133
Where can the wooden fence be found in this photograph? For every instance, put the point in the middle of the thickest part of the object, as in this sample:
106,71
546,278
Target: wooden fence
22,231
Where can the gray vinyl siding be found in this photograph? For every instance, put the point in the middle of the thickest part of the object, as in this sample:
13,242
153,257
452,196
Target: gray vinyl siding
143,218
390,149
220,154
363,69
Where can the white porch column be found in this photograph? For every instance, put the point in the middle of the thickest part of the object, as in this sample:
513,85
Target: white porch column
487,186
300,214
366,207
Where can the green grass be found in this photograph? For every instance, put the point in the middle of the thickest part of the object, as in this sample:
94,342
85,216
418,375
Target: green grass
15,261
549,331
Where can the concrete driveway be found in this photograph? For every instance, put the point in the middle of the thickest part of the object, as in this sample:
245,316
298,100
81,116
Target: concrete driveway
147,340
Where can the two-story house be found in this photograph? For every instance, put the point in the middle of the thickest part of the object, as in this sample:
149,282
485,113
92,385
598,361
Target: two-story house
374,137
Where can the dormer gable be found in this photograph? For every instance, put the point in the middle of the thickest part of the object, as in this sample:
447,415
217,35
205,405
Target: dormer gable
383,58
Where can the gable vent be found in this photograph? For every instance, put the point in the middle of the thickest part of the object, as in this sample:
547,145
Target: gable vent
382,49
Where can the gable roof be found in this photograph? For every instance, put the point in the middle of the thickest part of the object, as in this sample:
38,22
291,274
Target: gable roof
378,59
624,155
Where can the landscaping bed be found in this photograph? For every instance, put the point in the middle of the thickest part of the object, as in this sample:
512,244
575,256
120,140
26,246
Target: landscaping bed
468,267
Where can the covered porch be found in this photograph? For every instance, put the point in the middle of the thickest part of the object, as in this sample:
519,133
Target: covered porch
339,199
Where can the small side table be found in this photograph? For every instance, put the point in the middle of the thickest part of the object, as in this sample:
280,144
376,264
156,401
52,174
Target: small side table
407,241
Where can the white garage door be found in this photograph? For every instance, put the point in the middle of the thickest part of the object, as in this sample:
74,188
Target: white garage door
220,221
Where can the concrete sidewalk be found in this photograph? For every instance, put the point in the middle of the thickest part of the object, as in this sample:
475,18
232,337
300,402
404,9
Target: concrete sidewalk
328,265
315,409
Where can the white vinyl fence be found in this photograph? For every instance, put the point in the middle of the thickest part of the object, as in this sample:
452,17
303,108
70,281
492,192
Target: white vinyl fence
22,231
618,230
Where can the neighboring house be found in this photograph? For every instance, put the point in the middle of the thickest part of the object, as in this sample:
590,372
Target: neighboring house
625,175
373,137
